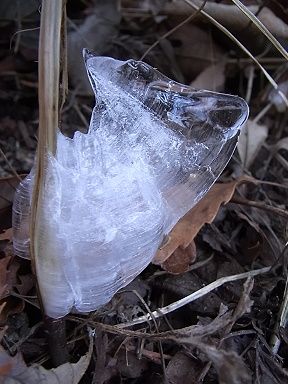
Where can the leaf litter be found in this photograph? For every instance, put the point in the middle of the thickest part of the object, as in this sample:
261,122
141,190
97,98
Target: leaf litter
225,334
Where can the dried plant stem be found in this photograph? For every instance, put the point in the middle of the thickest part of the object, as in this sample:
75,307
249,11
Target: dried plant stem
49,56
194,296
260,205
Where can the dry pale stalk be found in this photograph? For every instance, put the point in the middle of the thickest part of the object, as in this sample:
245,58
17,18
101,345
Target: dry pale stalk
48,96
52,16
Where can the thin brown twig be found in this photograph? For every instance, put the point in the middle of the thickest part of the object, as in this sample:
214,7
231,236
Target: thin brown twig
272,183
259,205
193,331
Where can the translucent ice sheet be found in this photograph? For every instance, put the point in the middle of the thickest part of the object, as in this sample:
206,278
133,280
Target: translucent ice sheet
153,149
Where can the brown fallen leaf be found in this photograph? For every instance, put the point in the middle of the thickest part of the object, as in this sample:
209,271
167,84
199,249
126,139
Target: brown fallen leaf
191,53
180,260
229,366
13,370
8,187
204,212
11,281
183,369
6,235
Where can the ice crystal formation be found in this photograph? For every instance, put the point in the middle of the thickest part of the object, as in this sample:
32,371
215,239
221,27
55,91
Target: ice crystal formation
153,149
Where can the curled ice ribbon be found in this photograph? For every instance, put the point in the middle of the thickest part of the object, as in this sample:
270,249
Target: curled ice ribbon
153,149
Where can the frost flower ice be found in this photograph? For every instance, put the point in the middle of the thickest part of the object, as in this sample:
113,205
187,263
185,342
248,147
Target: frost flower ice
153,149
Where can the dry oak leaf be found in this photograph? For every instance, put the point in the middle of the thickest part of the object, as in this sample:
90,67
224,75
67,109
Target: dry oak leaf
13,370
9,281
203,212
8,187
6,235
180,260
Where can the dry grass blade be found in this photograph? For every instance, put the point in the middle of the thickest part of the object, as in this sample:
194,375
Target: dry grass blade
194,296
244,49
261,27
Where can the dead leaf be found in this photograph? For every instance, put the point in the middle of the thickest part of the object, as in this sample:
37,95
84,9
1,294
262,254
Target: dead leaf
251,138
13,370
25,285
212,78
130,366
180,260
17,10
8,273
95,33
182,369
270,370
229,365
8,187
190,44
9,281
6,235
204,212
4,278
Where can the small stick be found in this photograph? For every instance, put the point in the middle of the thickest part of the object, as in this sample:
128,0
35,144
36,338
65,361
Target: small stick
260,205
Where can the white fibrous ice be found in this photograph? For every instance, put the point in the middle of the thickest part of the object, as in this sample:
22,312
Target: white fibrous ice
153,149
